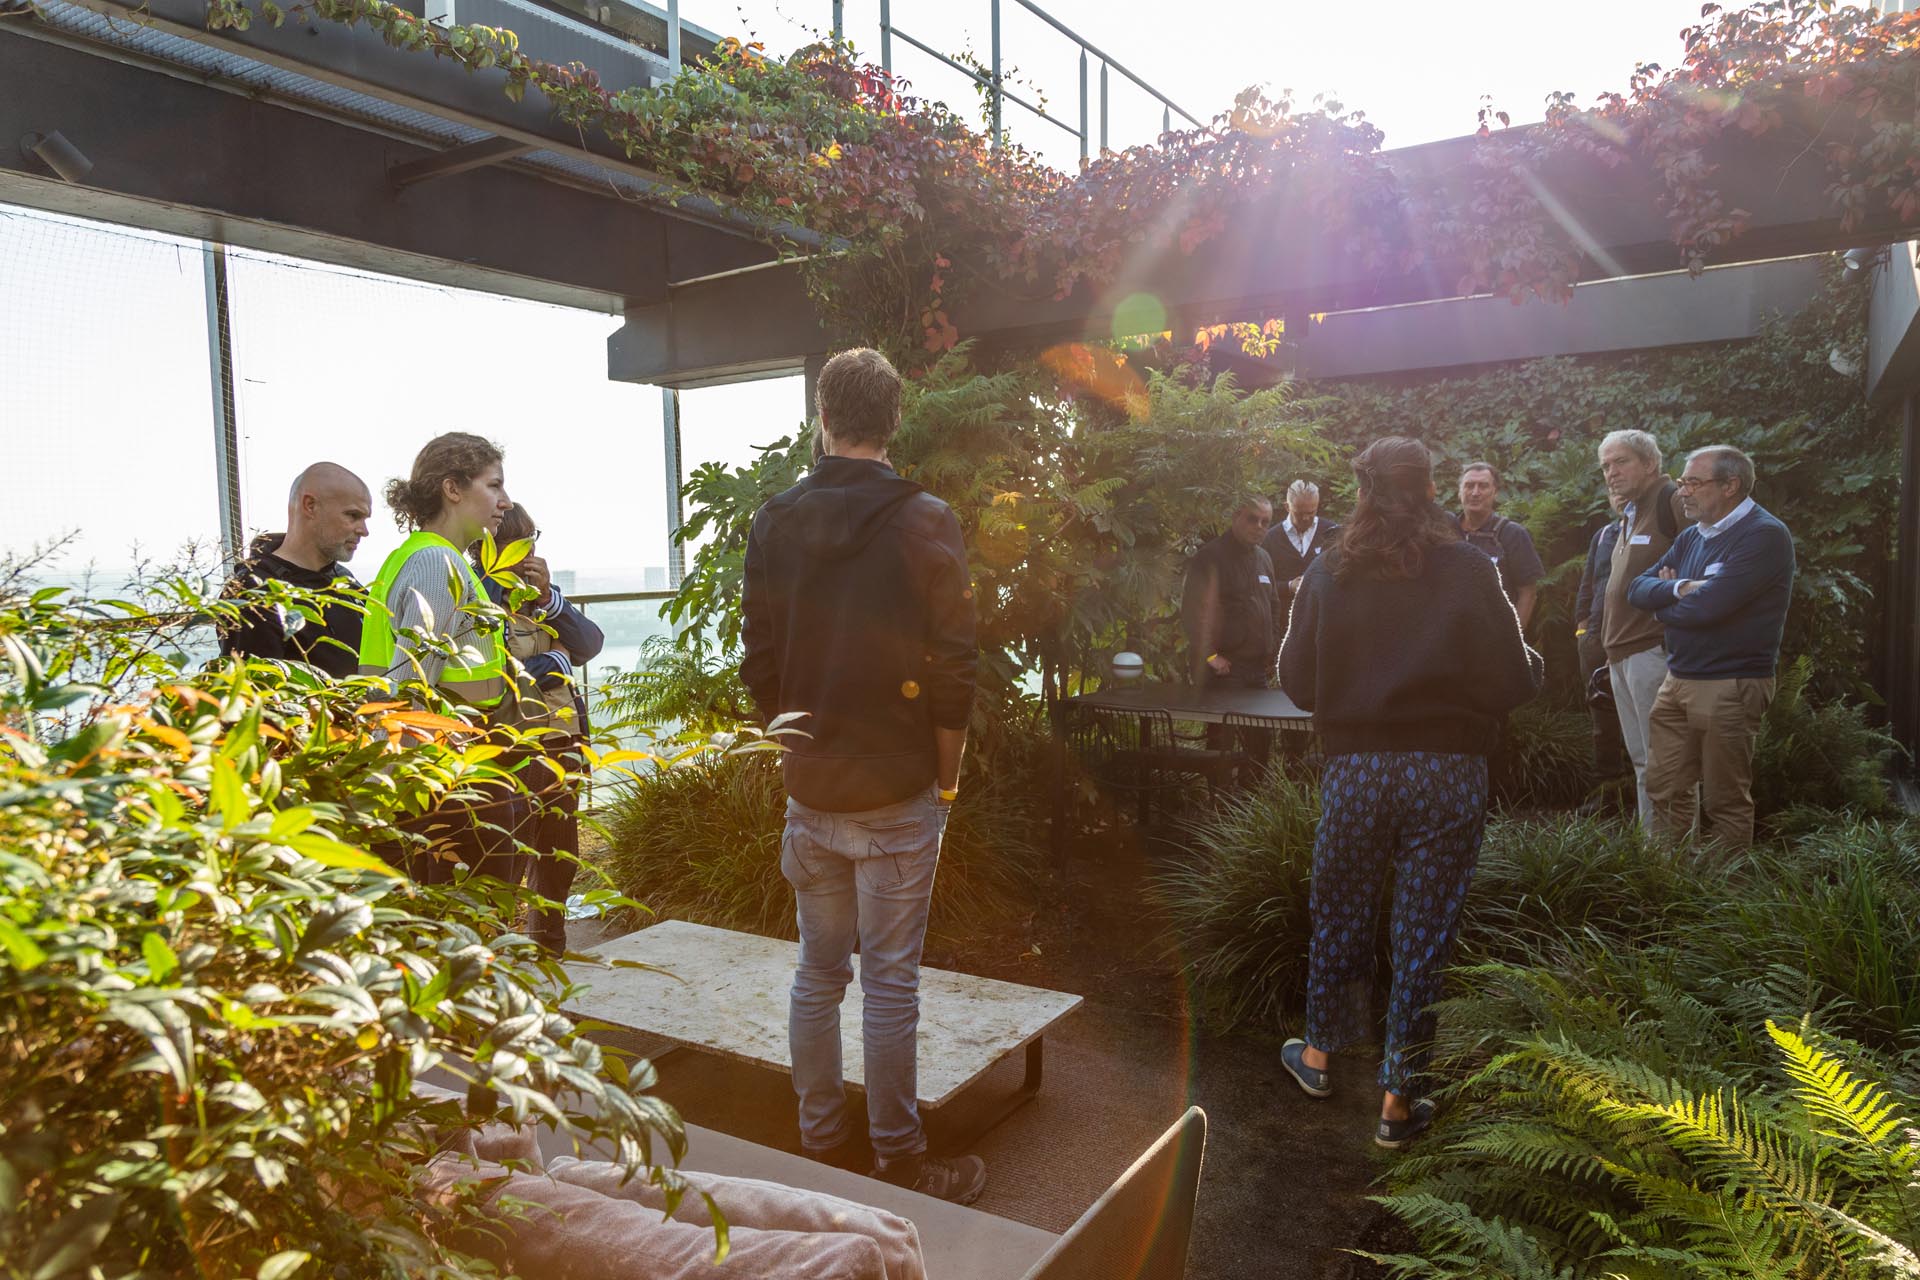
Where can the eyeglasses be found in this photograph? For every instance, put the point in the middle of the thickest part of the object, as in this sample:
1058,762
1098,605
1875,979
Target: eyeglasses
1689,483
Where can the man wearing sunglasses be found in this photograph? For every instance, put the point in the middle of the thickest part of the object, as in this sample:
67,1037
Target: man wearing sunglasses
1721,591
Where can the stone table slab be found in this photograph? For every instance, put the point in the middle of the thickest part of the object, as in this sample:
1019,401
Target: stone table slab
726,993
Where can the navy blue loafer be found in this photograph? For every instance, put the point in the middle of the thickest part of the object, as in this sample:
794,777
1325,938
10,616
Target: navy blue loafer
1313,1082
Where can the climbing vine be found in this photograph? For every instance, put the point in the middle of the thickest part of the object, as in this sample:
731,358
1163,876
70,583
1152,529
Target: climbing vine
923,211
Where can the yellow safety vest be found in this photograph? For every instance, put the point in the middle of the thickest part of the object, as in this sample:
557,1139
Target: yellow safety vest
481,685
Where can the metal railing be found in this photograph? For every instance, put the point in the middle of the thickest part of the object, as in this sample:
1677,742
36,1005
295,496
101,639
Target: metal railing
622,641
994,81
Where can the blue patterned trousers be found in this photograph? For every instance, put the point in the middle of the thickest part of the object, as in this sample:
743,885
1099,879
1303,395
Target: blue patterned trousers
1417,817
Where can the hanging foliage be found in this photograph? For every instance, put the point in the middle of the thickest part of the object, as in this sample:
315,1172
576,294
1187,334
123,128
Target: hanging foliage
928,212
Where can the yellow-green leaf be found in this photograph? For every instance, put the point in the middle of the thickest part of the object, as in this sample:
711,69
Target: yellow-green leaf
229,797
331,853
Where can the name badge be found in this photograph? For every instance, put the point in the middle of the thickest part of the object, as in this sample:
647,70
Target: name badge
1265,581
1715,567
1641,539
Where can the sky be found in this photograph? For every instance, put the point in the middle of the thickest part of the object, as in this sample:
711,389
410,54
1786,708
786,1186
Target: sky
105,394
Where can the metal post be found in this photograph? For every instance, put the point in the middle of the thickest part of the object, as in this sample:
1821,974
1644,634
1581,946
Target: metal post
226,429
1903,649
886,36
1166,120
673,36
1103,105
1083,105
839,19
670,446
996,72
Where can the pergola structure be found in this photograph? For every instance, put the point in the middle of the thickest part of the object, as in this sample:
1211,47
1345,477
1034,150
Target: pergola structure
322,142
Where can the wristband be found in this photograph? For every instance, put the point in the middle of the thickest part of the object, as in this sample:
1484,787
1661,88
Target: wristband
948,796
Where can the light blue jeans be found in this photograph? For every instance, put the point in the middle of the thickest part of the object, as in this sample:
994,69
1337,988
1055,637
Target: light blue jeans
867,878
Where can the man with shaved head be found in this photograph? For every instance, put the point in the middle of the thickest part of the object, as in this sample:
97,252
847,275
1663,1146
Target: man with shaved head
327,511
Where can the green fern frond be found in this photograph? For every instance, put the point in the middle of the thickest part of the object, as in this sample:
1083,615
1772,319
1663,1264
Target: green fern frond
1535,1146
1515,1250
1833,1094
1751,1157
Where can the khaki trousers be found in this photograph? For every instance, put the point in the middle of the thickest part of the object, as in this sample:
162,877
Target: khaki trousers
1701,733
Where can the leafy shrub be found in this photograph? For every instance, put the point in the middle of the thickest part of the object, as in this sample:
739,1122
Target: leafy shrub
1237,904
678,683
704,841
216,1002
1549,758
1080,486
1818,756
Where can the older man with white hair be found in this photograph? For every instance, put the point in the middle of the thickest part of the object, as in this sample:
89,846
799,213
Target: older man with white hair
1634,640
327,511
1297,541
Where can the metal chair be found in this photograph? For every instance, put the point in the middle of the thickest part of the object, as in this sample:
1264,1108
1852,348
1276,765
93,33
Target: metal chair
1135,752
1296,739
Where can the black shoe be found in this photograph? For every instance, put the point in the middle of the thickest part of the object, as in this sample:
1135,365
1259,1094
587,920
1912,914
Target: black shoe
959,1180
852,1153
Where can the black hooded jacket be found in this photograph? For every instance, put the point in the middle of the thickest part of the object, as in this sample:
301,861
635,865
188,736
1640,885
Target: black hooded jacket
858,611
333,644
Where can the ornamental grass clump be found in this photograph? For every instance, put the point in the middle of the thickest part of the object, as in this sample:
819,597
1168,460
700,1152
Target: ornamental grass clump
702,843
1236,903
215,1002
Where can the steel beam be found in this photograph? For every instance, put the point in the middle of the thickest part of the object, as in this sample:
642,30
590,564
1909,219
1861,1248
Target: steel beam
226,427
736,327
1724,304
358,59
474,155
1893,325
207,164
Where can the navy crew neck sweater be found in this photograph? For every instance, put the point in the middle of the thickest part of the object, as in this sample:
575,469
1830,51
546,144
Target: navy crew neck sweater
1432,663
1728,628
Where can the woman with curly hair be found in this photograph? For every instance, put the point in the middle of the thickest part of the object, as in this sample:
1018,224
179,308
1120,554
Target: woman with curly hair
1409,655
426,588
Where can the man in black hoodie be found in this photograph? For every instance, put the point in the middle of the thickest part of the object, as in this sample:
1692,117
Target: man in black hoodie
327,512
858,620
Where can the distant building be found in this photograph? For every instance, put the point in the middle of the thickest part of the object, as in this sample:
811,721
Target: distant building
563,579
656,578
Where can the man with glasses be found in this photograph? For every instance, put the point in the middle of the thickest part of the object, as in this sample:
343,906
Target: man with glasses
1228,603
1721,591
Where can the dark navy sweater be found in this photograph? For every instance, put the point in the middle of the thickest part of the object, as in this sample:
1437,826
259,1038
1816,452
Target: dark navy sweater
1729,627
1430,664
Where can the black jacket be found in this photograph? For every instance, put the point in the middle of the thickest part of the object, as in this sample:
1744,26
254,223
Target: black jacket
1228,607
332,644
1430,664
1289,564
1590,601
857,610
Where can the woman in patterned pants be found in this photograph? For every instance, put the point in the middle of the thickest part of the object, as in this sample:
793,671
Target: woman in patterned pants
1409,655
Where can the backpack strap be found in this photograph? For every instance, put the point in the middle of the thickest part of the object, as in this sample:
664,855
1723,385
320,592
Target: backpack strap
1669,523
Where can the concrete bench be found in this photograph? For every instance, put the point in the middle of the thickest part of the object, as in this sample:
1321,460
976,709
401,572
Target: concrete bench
723,992
1139,1228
